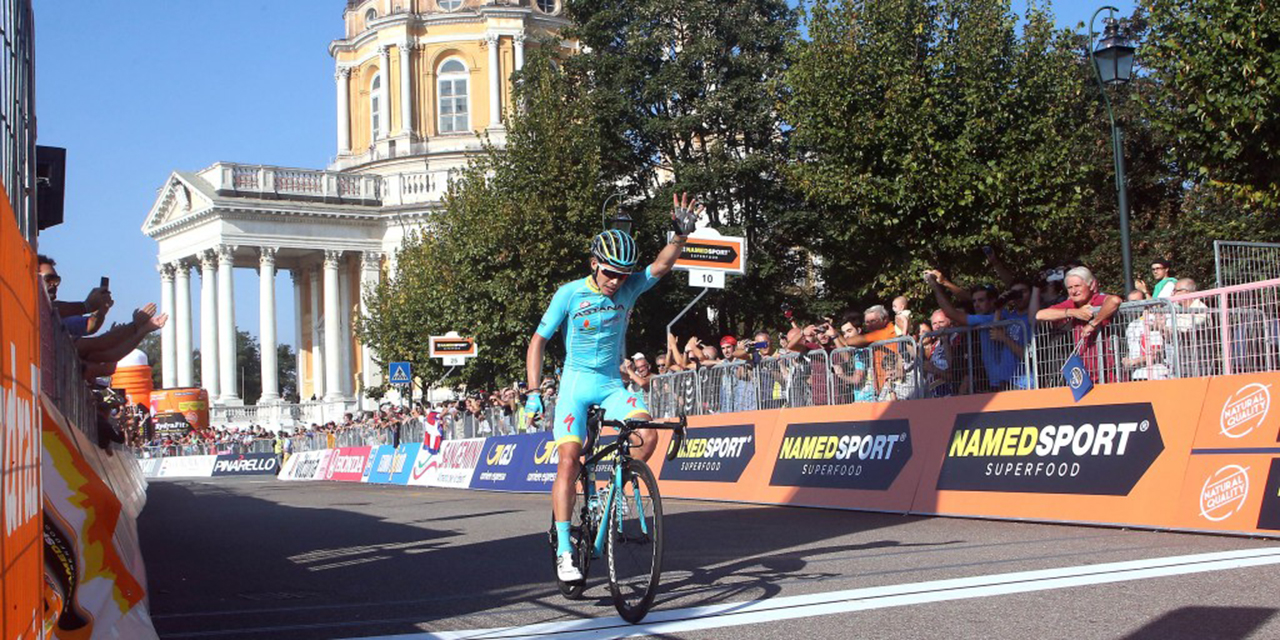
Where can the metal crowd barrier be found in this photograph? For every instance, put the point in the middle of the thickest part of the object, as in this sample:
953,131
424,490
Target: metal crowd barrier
1218,332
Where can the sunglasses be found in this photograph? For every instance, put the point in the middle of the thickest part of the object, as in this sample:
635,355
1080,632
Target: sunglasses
614,275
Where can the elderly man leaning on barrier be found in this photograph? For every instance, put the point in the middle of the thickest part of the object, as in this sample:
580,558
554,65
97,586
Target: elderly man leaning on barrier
1002,345
1078,311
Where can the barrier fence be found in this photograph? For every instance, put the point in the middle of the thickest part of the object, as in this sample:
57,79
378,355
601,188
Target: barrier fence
1219,332
1244,262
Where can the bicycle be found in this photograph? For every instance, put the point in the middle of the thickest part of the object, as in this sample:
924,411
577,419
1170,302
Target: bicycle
632,538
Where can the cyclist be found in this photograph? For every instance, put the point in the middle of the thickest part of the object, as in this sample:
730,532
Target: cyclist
597,309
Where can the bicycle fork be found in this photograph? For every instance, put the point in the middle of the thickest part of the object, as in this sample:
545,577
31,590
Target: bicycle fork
603,530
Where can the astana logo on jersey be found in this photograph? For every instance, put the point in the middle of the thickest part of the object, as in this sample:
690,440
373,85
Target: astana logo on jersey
585,312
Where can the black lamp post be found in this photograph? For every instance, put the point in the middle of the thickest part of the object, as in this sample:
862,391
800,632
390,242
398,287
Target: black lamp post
1113,64
621,221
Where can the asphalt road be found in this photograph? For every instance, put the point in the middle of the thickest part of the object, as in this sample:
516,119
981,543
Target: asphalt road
258,558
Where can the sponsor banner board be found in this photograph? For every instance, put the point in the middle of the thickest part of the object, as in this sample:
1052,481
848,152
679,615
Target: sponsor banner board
712,251
452,346
95,585
1231,492
307,465
452,467
713,454
402,463
150,467
1240,412
1095,450
380,459
187,466
347,464
246,464
503,463
20,431
866,455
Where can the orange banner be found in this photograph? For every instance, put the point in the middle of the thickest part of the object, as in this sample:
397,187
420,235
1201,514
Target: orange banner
20,547
1123,456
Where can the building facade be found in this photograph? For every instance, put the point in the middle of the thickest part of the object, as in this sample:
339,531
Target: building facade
420,85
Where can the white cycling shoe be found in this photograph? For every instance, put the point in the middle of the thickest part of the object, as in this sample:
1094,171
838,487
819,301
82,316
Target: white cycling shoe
565,569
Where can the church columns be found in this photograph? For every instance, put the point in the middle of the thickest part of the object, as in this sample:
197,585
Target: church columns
267,325
519,49
342,78
384,94
182,323
296,276
169,334
209,325
317,336
495,116
228,374
406,89
332,330
370,267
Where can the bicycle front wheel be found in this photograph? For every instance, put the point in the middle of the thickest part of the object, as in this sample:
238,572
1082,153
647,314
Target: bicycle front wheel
635,542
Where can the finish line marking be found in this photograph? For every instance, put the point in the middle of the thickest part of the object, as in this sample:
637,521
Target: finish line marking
819,604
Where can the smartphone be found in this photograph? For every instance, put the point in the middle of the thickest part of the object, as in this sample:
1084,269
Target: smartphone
105,284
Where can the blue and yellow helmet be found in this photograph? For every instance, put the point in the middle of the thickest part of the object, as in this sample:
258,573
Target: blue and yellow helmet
615,250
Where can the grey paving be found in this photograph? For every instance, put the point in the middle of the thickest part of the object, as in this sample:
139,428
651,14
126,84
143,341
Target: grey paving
256,558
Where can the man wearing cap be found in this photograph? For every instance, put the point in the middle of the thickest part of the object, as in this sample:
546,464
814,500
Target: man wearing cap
636,371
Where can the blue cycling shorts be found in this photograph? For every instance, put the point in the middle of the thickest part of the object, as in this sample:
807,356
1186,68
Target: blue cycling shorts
581,389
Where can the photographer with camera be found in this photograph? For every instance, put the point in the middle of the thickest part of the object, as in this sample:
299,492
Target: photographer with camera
1002,347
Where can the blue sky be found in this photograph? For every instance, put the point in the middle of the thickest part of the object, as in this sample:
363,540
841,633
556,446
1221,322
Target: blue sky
135,90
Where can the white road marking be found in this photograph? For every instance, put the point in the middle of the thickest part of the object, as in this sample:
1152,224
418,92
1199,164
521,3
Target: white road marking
734,614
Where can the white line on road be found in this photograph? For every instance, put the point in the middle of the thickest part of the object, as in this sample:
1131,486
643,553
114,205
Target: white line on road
818,604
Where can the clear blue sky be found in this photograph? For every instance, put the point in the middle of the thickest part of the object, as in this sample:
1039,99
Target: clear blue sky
135,90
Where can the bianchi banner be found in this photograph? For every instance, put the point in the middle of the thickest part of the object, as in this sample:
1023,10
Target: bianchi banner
1095,450
713,454
865,455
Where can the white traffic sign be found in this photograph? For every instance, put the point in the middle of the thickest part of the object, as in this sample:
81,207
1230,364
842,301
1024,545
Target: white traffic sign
709,278
455,361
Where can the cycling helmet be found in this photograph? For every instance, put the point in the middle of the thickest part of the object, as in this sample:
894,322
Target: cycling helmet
615,250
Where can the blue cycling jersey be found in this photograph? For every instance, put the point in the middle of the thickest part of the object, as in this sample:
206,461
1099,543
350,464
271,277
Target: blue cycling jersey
596,337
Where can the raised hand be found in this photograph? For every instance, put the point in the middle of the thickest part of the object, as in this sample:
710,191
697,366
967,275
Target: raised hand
685,211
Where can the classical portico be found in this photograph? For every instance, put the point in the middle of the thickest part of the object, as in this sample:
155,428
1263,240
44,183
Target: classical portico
421,86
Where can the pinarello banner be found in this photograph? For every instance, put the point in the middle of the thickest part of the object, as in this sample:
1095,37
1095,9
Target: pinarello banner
94,574
347,464
20,426
246,464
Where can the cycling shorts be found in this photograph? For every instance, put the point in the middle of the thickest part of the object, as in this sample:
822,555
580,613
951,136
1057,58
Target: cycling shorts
581,389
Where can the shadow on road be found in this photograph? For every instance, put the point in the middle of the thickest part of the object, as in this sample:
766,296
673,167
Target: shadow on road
1221,623
232,561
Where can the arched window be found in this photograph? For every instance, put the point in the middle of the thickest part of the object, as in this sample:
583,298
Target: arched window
451,89
370,16
548,6
375,107
449,5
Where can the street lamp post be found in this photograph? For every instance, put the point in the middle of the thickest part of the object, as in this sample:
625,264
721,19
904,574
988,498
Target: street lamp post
621,221
1113,64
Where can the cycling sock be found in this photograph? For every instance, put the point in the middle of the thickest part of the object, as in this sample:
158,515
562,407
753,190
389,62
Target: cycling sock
563,545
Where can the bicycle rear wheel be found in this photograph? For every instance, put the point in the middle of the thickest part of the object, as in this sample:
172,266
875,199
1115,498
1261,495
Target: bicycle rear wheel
635,542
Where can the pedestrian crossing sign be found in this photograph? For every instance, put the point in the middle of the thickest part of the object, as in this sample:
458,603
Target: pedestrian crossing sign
400,373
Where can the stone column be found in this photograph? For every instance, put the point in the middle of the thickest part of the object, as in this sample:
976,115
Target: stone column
495,116
182,305
384,91
169,334
299,371
209,325
228,375
317,336
342,78
267,325
519,50
370,270
332,332
406,89
344,330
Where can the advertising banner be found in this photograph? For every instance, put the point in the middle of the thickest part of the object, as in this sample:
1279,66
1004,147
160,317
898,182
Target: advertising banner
379,464
452,466
187,466
246,464
19,430
150,467
866,455
504,463
347,464
307,465
402,463
713,454
94,574
1238,413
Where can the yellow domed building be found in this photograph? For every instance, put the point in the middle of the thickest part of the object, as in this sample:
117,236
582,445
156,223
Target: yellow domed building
420,86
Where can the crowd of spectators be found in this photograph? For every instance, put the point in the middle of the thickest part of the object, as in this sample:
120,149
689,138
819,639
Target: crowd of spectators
97,347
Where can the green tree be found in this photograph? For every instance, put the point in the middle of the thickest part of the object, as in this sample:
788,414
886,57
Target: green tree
925,129
516,224
686,94
1218,66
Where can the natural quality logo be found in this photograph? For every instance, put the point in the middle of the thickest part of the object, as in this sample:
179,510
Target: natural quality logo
1245,410
1224,493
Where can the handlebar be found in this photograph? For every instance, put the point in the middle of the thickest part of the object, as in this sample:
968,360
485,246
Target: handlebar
678,430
